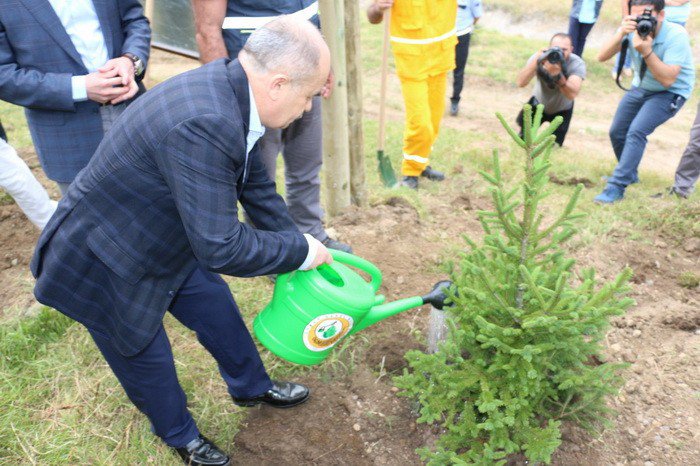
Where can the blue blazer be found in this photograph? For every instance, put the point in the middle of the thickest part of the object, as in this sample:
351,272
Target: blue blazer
159,196
37,61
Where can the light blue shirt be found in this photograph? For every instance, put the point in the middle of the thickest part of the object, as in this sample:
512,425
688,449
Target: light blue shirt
677,14
83,27
672,46
587,13
467,11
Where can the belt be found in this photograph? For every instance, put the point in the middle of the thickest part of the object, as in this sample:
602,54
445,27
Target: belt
255,22
430,40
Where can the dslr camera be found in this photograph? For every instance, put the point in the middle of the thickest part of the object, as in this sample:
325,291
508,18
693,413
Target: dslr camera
646,23
555,56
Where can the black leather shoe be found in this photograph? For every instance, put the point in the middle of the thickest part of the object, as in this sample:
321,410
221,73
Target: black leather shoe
338,245
281,395
410,182
433,175
202,452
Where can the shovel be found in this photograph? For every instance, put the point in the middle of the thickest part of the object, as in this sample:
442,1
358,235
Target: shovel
386,171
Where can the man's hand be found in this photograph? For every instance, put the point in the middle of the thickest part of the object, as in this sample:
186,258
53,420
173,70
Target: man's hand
328,87
322,257
643,46
552,69
106,87
375,12
628,25
123,67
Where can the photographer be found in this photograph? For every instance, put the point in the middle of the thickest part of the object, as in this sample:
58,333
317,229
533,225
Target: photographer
664,77
559,76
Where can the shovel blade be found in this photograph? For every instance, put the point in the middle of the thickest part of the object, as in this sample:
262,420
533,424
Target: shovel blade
386,171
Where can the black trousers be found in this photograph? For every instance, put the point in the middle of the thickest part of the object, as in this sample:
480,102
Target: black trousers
461,56
560,132
2,132
579,33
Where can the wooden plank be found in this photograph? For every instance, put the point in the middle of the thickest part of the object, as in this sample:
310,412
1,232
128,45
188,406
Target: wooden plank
336,159
358,188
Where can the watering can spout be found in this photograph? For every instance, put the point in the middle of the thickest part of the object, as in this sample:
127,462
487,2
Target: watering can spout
383,311
436,298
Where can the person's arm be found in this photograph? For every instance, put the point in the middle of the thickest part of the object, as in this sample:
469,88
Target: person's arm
614,44
570,86
136,29
624,8
529,70
676,2
375,11
665,74
208,17
198,160
29,87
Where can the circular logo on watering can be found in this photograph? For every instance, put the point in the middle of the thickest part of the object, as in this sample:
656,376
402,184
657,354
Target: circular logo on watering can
325,331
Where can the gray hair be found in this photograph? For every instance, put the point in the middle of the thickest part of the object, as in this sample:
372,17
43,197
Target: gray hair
285,45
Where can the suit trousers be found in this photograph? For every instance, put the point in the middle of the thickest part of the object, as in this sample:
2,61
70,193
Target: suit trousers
17,179
301,149
205,305
688,169
424,100
560,132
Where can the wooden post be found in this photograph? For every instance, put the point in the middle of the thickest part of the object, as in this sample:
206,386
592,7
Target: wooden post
358,190
336,163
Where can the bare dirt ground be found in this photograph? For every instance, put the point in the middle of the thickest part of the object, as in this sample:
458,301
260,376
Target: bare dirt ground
357,419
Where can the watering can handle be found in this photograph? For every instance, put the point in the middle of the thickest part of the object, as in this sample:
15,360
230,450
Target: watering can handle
360,263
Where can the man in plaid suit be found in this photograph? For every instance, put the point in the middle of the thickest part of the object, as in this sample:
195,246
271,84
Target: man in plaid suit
74,65
152,219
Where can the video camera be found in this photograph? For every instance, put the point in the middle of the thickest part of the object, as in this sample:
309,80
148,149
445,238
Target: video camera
646,23
555,56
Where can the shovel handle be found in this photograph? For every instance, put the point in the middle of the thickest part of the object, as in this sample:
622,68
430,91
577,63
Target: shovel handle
382,87
360,263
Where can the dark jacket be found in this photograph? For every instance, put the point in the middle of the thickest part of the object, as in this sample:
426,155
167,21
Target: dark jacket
159,196
37,61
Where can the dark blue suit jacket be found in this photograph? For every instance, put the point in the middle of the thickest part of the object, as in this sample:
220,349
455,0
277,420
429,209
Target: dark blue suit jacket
37,61
159,196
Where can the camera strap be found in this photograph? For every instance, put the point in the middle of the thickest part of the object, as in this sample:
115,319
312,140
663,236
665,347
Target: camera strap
621,62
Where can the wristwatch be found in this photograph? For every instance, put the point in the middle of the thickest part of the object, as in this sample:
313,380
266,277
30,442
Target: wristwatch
138,64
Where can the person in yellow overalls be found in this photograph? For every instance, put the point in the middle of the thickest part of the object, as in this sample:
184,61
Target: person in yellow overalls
423,42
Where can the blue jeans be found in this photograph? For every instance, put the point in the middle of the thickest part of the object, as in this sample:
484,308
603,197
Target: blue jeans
640,112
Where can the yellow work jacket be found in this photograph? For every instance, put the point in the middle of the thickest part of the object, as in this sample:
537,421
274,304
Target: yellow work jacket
423,37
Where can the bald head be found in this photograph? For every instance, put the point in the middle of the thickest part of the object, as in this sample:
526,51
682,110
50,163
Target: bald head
289,45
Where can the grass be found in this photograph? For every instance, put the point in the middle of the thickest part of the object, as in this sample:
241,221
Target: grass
60,403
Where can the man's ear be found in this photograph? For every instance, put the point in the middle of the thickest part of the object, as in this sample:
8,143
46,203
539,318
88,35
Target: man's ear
277,86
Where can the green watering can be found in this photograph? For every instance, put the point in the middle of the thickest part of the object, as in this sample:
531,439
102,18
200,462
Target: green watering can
311,311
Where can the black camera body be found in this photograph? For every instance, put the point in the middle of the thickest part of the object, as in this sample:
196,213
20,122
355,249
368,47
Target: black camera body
646,23
555,56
